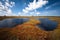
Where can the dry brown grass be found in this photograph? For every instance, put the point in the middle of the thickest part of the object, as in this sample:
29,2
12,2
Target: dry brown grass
29,31
26,31
54,35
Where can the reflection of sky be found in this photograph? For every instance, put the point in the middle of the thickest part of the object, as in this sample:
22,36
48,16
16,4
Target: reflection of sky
46,24
12,22
50,8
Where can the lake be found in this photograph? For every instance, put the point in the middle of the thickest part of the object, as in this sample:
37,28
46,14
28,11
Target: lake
46,24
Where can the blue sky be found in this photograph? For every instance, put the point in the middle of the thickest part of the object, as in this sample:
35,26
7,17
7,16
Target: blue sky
30,7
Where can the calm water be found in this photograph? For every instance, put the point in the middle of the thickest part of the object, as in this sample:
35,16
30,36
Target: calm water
12,22
46,24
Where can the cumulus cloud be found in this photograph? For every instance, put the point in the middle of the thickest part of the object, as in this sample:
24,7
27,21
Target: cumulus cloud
35,13
6,7
38,13
35,5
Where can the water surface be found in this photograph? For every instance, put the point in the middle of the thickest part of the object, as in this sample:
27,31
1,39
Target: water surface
46,24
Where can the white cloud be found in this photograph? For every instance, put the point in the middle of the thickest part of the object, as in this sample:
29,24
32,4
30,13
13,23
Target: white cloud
51,13
1,6
6,7
11,15
7,4
25,11
12,4
19,13
9,11
38,13
52,5
35,5
31,8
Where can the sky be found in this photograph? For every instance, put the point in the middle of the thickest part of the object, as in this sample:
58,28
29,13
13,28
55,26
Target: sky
30,7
